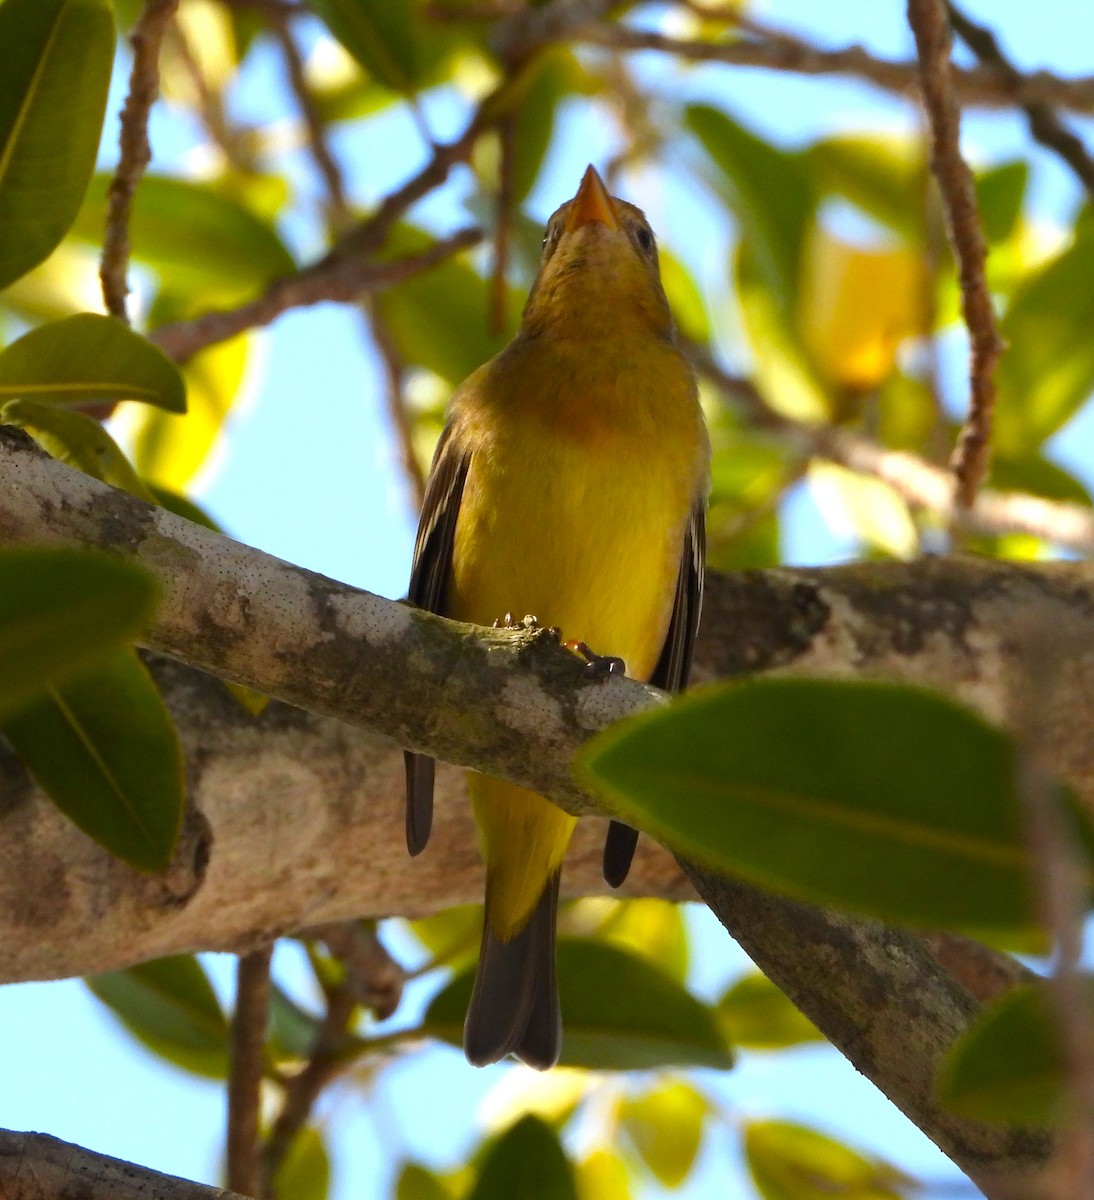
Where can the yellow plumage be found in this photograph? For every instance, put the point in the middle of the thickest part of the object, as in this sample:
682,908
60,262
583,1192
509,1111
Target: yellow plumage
577,462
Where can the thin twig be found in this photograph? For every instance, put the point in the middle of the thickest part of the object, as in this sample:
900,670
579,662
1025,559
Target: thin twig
929,23
332,278
134,150
503,224
372,975
245,1079
394,377
1044,125
328,168
304,1088
979,86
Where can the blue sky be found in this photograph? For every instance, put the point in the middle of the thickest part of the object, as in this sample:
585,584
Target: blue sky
308,473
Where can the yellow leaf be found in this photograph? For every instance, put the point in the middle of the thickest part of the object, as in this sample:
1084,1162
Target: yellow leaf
169,450
602,1176
855,307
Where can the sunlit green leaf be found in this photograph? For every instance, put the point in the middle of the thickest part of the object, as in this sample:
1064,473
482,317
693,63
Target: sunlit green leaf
304,1173
1010,1066
666,1127
792,1162
652,928
882,174
61,612
758,1016
1047,371
619,1012
55,63
103,748
416,1182
1037,474
528,1161
821,789
602,1175
78,440
685,298
170,1006
380,34
769,189
452,935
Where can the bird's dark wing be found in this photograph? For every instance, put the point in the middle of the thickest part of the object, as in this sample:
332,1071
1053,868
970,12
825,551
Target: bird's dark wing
428,580
672,670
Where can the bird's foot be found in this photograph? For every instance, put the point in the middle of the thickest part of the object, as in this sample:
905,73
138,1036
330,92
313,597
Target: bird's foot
597,664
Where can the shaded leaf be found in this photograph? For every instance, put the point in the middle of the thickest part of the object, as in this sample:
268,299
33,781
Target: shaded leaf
528,1161
89,358
61,612
758,1016
649,927
666,1127
1010,1065
792,1162
1037,474
769,190
380,34
55,62
882,174
78,440
103,748
821,789
1000,191
1047,371
169,1005
416,1182
619,1012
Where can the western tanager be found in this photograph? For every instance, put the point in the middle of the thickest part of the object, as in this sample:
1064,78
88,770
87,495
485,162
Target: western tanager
569,483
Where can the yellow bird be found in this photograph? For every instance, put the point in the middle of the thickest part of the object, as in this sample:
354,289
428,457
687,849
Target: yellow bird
570,483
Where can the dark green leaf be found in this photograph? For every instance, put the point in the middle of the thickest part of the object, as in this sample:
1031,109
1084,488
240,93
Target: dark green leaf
89,359
304,1173
528,1161
881,174
756,1015
822,789
1047,371
792,1162
55,63
78,440
548,80
619,1012
380,34
292,1030
170,1006
183,506
206,246
103,748
999,195
1010,1065
416,1182
61,612
1037,474
770,192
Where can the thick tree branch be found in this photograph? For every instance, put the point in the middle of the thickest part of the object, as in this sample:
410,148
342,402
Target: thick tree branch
34,1166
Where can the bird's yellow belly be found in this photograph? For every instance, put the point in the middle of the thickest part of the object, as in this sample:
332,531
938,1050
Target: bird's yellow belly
579,542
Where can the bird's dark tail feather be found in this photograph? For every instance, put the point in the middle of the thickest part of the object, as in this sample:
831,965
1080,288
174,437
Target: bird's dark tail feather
514,1008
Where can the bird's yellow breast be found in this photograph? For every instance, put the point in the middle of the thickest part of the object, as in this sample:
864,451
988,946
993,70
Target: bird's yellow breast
578,492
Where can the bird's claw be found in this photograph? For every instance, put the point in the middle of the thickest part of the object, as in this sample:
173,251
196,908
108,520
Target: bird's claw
597,664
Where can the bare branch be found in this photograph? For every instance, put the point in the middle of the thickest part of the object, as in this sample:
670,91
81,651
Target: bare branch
1045,126
135,153
247,1067
336,277
932,34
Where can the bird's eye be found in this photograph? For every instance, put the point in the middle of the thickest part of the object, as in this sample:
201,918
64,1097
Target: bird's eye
550,237
644,238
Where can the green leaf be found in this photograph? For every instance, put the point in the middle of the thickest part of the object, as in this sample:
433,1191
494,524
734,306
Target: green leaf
649,927
207,246
602,1175
292,1030
769,190
550,77
61,612
792,1162
1000,192
89,359
666,1127
78,440
1010,1066
380,34
822,789
1037,474
756,1015
440,319
103,748
884,175
416,1182
55,62
1047,371
619,1012
685,298
304,1173
169,1005
528,1161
